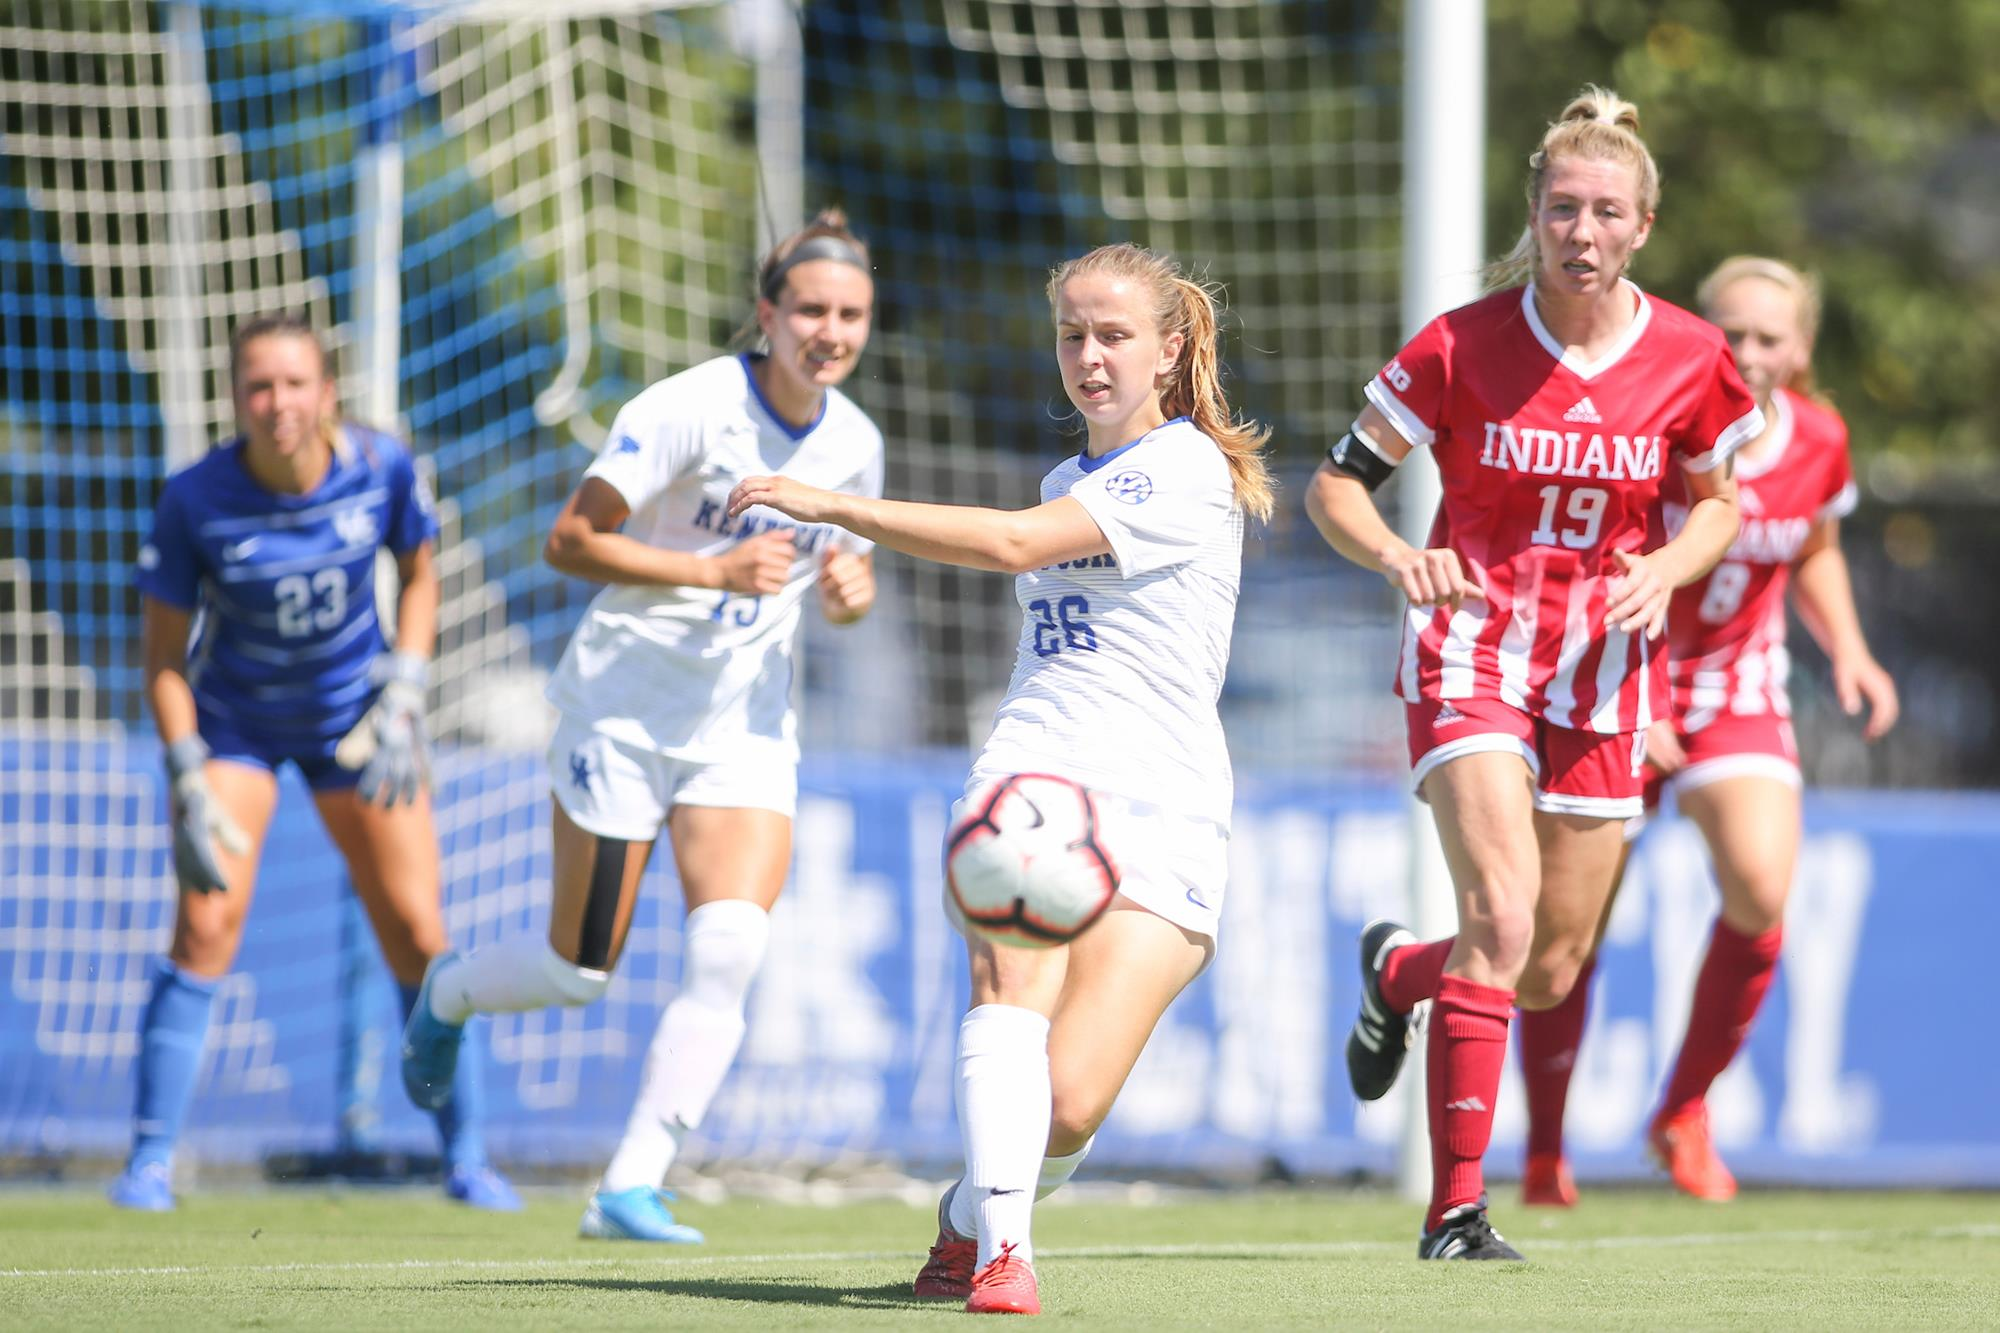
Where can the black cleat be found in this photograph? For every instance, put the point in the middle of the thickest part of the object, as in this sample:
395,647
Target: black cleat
1380,1038
1466,1234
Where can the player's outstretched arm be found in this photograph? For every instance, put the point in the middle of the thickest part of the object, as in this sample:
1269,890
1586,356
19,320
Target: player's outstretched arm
1010,541
1641,593
1825,596
201,825
1340,502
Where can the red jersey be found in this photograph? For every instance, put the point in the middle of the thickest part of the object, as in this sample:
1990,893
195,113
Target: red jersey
1726,632
1548,466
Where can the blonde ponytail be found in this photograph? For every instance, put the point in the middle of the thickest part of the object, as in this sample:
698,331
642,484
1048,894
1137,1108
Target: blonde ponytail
1194,386
1599,125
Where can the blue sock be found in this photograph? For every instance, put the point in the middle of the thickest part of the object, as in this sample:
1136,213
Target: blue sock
460,1121
171,1035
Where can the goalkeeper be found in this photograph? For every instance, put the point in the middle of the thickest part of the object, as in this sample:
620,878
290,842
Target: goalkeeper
262,646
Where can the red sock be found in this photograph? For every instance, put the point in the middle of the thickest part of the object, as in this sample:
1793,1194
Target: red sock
1734,978
1468,1044
1411,975
1549,1040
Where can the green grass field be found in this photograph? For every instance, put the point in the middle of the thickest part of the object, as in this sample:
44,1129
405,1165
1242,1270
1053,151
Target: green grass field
406,1259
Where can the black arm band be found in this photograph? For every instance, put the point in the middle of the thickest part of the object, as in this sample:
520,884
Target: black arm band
1353,457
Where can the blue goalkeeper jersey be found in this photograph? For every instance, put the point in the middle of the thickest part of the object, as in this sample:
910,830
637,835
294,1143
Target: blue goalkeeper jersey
283,586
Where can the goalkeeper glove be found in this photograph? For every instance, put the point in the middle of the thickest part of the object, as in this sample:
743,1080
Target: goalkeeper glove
388,744
200,822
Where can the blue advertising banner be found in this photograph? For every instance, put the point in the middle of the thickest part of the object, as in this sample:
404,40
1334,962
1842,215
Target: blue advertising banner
1861,1068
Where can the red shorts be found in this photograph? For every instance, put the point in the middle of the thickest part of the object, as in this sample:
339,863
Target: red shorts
1732,745
1576,772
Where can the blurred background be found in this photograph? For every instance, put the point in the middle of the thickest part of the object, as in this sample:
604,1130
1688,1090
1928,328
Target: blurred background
509,223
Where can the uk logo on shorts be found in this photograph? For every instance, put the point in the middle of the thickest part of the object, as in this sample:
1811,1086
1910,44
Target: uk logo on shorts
1130,487
579,770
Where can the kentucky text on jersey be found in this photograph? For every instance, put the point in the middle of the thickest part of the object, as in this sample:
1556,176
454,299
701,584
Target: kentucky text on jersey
1570,453
1121,656
806,538
697,673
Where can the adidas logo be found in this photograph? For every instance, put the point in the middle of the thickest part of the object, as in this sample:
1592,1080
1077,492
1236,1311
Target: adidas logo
1465,1104
1447,716
1585,410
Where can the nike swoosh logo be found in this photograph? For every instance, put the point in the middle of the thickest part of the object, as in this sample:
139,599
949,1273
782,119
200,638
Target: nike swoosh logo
1039,820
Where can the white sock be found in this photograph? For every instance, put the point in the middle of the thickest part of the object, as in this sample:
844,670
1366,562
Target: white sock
696,1040
1056,1171
1003,1117
509,976
962,1213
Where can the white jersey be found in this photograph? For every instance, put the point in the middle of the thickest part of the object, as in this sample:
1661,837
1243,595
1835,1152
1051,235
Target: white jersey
1122,656
699,673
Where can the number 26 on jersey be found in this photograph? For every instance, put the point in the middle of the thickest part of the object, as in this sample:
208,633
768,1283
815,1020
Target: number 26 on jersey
1063,626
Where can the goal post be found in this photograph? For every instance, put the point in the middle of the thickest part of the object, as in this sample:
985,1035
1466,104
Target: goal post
1444,147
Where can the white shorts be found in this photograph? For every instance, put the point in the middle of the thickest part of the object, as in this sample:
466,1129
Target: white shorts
616,790
1175,866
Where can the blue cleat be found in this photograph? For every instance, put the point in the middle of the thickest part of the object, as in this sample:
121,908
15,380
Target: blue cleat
480,1186
430,1047
634,1214
145,1187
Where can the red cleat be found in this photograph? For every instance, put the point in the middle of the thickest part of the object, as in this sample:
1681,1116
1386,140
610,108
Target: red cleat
1547,1183
1680,1145
1005,1286
947,1274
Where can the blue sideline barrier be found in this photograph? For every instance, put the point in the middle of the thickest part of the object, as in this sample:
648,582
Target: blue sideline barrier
1864,1068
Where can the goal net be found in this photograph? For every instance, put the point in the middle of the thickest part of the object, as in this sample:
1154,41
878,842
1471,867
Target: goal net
579,204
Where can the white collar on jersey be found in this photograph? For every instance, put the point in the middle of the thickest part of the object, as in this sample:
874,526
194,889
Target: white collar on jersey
1625,343
1781,439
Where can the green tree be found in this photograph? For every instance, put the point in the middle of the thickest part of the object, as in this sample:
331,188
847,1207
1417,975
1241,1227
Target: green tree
1859,139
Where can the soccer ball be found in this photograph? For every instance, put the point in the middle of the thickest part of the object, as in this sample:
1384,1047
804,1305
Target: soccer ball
1027,864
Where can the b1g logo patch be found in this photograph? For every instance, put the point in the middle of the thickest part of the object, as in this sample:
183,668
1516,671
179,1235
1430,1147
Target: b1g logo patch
1130,487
